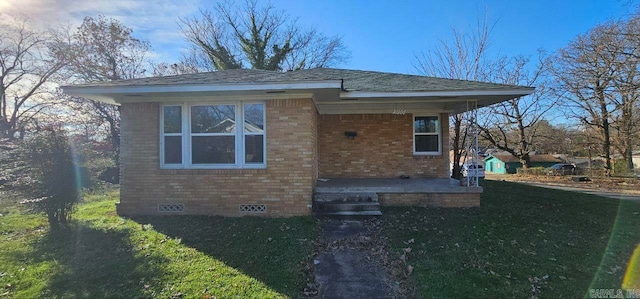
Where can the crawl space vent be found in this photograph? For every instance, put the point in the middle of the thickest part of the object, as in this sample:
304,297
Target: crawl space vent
171,207
256,209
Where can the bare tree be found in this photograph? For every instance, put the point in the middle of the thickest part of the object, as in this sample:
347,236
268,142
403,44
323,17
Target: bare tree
27,65
172,69
512,125
626,82
252,36
585,71
463,57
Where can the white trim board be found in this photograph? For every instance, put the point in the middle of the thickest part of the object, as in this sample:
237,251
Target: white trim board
449,93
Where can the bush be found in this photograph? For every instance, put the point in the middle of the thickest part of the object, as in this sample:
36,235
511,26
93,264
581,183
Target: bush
532,171
54,187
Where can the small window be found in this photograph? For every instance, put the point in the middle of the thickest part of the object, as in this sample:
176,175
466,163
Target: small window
254,133
172,134
426,135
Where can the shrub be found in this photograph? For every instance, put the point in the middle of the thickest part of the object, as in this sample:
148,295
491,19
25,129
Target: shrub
54,187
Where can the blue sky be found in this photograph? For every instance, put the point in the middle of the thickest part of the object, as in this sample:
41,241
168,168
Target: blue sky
386,35
381,35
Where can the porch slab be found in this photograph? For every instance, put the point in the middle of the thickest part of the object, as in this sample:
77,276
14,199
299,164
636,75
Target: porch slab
442,192
393,185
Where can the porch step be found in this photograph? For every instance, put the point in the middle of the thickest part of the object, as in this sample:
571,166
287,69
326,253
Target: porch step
350,215
323,207
346,205
345,197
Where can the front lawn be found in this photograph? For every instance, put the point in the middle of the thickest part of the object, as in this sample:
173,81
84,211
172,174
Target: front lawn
104,256
523,241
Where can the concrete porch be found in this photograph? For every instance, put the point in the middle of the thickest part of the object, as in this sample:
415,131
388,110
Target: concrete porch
363,196
395,185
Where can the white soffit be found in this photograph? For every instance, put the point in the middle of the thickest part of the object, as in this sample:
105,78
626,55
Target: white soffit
119,94
415,102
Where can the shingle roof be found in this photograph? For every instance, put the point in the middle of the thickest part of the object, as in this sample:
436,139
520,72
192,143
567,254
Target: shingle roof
353,80
532,158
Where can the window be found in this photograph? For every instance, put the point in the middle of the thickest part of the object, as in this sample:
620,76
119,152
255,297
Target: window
426,135
172,134
206,136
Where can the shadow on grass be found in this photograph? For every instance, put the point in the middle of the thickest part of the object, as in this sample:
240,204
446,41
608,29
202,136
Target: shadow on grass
273,251
91,263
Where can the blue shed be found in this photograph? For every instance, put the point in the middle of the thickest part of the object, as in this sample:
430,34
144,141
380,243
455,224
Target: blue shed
506,163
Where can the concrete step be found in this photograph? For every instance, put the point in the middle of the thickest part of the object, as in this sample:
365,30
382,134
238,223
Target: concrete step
327,207
349,215
344,197
346,205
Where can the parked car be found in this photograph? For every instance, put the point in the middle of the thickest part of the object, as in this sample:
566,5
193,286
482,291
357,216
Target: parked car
562,169
473,170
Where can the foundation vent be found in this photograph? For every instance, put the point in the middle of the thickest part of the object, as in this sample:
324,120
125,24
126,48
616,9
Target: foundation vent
170,207
253,209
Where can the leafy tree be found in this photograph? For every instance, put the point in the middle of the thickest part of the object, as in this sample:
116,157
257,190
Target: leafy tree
259,37
104,49
53,184
28,63
553,139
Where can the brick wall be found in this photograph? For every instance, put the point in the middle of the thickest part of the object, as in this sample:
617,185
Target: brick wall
383,147
285,186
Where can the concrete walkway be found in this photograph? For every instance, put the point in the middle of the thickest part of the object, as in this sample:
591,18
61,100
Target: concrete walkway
610,194
346,267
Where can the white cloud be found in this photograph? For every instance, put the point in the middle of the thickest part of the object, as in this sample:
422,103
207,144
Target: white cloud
152,20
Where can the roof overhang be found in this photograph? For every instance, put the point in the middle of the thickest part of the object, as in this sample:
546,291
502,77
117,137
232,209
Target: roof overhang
453,102
167,93
328,96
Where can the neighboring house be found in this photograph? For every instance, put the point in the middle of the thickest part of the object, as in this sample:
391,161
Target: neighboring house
507,163
635,158
181,150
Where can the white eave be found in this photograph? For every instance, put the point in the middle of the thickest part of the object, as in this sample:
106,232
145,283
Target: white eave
437,94
450,101
149,93
328,96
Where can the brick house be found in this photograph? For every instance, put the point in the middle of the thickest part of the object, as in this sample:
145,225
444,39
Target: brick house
184,151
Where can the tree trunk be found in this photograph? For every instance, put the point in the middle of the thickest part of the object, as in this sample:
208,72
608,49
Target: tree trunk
606,145
628,130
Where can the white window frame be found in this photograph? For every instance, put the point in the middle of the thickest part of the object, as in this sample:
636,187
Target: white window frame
438,133
163,135
239,137
263,134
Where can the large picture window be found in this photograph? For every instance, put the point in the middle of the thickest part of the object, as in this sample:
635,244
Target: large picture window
426,135
207,136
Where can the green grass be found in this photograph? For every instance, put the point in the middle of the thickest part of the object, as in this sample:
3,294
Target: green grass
522,241
103,255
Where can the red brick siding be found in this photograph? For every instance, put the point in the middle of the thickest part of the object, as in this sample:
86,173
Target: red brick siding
285,186
383,147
